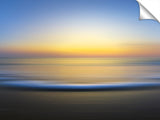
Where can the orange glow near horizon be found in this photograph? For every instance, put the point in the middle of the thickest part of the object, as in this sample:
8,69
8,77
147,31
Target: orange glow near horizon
81,41
77,51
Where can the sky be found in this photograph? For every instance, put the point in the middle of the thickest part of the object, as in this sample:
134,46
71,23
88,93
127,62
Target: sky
76,28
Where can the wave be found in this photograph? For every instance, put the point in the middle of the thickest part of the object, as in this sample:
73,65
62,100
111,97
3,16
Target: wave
26,83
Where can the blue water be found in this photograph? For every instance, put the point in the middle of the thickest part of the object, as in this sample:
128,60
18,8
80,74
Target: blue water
80,73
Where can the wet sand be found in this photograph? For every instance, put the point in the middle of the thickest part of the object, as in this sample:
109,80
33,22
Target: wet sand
112,105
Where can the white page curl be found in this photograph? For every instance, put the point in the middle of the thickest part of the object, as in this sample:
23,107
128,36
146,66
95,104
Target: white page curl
149,9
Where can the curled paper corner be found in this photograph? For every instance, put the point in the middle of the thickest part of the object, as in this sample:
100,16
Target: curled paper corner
149,10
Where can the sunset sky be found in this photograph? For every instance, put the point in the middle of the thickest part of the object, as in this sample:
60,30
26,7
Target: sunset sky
76,28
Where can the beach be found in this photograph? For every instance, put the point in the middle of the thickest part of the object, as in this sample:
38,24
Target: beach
80,105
